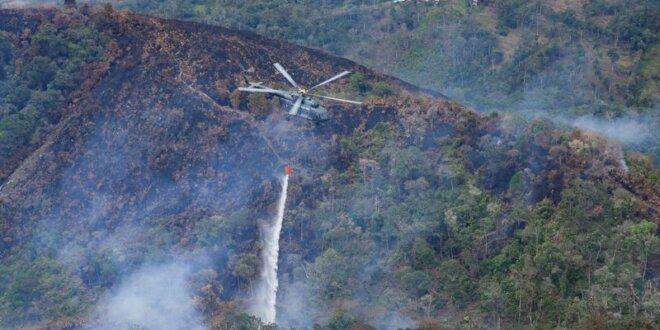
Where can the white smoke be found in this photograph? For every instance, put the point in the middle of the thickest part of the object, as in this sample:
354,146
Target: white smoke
266,293
13,4
626,130
295,311
154,297
395,321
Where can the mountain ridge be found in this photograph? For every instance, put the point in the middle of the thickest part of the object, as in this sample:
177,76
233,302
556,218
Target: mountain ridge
160,156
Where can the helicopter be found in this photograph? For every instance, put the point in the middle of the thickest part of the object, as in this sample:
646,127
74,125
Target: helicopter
299,102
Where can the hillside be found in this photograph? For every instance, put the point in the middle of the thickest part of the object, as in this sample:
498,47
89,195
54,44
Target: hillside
564,56
130,159
586,64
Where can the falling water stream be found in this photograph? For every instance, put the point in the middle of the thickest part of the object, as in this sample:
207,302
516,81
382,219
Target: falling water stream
266,292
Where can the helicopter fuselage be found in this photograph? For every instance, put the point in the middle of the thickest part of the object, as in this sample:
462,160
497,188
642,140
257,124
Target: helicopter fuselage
309,109
299,102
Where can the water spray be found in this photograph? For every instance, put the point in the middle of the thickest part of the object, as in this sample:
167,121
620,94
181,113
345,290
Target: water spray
265,298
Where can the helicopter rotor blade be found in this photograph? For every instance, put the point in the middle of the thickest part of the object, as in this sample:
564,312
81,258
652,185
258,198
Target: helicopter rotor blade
331,79
285,74
259,90
296,106
336,99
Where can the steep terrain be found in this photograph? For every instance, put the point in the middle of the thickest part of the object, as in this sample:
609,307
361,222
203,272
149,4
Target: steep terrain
559,55
406,211
587,64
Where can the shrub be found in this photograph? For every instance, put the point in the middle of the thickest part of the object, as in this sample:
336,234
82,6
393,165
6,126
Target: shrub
16,95
49,43
516,181
358,83
39,72
38,289
340,320
5,51
381,89
13,134
259,105
409,163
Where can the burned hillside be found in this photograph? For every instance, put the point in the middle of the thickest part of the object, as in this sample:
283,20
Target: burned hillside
406,207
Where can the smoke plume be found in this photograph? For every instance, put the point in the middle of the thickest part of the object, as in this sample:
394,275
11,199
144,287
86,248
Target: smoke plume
154,297
626,130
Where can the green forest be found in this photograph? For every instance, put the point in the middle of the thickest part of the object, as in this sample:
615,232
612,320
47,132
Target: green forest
31,95
439,241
